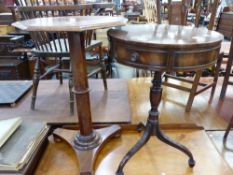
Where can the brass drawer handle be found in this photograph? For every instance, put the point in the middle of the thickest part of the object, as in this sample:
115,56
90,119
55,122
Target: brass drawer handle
134,57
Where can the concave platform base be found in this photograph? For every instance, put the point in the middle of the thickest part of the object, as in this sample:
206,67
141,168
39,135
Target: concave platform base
87,157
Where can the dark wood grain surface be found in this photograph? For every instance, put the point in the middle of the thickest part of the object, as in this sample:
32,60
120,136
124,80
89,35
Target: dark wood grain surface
165,47
166,36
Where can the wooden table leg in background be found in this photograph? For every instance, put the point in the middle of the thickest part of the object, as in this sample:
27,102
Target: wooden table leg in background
152,127
87,142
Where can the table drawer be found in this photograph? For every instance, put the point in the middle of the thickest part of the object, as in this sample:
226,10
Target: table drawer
141,57
165,59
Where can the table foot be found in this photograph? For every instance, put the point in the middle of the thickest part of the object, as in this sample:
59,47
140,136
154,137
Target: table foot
152,129
145,137
161,136
87,157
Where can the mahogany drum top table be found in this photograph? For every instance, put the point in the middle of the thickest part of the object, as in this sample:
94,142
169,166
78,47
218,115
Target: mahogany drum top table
161,48
165,47
87,142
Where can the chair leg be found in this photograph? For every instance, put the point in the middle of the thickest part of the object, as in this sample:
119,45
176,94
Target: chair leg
230,125
193,90
216,73
166,77
108,62
60,73
36,79
137,72
103,66
226,78
109,68
71,92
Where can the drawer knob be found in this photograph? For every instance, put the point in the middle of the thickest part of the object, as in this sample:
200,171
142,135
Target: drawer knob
134,57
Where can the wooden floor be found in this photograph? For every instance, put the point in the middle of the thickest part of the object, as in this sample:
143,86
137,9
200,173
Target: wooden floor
123,106
172,106
224,149
155,158
52,104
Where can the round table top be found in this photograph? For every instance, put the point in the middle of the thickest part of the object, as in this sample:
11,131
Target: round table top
164,47
165,36
70,23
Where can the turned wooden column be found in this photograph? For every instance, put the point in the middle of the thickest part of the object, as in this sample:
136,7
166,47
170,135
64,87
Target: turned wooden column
155,96
86,138
81,88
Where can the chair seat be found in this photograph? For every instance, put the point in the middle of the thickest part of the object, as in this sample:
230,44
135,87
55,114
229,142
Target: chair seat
93,69
60,48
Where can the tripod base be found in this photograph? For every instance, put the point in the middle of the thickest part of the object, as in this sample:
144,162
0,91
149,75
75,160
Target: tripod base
152,129
87,157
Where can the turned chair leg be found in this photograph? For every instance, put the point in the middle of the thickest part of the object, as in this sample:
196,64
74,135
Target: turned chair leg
226,78
36,79
71,85
216,74
193,90
103,67
60,73
109,68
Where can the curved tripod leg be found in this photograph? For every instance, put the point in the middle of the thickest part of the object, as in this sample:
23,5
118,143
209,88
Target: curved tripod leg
161,136
143,140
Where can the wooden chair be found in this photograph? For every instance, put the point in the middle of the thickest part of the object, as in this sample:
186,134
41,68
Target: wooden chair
151,10
228,9
178,11
177,14
225,26
55,45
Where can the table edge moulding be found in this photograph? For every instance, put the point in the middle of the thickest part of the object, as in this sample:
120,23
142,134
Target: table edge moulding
70,23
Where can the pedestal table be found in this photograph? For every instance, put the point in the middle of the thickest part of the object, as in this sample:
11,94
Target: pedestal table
87,142
161,48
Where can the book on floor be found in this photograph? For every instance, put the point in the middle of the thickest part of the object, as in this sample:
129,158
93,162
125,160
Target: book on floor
7,128
20,150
